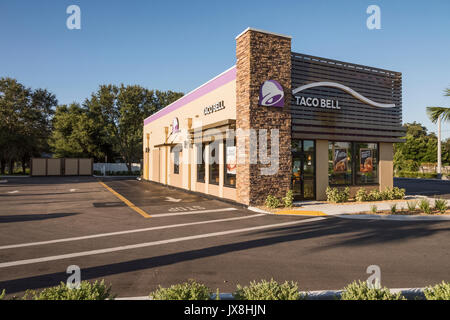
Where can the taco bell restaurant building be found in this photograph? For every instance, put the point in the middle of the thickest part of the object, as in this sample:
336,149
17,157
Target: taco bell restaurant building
335,123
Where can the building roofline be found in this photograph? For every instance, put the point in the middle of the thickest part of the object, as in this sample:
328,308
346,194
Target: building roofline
263,31
219,80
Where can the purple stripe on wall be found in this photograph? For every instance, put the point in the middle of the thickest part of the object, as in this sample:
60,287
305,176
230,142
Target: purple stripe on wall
228,76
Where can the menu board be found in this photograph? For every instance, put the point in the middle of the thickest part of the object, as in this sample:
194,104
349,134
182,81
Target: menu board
231,159
340,161
365,160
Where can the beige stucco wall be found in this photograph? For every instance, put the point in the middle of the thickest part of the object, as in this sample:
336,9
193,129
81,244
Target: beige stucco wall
191,113
321,169
386,174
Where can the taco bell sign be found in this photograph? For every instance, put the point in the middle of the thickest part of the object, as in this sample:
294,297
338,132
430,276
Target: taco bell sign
271,94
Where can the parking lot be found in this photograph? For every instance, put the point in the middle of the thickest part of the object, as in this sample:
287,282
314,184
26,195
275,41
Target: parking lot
137,235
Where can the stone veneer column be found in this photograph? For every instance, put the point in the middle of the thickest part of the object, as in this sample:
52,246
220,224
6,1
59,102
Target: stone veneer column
263,56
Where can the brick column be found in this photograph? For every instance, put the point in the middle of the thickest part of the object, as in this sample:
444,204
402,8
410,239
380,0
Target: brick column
263,56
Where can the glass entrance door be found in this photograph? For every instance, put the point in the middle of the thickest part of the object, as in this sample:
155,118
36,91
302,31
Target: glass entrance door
303,169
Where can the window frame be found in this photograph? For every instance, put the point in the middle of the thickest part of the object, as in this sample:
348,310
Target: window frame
212,165
225,174
200,146
354,164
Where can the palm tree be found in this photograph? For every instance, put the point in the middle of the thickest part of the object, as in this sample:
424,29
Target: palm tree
436,114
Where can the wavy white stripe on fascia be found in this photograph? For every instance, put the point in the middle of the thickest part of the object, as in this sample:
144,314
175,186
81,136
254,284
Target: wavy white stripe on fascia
346,89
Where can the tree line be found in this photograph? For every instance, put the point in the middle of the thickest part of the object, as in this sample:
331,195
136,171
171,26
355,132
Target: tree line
107,125
420,147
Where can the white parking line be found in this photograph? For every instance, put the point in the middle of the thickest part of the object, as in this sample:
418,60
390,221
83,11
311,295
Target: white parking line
15,191
160,215
109,234
149,244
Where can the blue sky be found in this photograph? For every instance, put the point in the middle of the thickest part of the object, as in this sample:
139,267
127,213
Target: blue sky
179,45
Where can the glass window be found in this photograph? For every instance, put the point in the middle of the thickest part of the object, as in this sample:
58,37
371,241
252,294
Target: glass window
296,146
200,163
366,160
308,145
230,164
176,159
340,163
214,163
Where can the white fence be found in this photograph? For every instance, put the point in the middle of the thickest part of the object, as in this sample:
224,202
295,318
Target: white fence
115,167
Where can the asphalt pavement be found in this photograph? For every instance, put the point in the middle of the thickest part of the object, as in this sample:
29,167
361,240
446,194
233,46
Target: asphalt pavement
48,224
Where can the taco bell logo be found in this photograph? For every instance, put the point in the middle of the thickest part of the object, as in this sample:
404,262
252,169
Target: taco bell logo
271,94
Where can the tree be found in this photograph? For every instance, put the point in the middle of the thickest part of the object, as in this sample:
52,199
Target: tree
25,122
419,147
436,114
118,114
73,134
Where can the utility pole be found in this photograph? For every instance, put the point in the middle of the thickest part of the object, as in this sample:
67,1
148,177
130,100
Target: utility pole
439,160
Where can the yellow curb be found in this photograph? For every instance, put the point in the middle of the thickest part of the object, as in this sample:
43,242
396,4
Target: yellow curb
126,201
302,212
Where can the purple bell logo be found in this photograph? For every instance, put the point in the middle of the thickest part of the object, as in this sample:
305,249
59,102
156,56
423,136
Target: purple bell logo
271,94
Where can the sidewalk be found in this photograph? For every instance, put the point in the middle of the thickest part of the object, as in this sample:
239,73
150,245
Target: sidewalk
351,210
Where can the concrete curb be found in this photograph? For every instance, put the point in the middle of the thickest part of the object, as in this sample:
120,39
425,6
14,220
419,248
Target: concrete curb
391,217
255,209
422,179
408,293
1,177
115,176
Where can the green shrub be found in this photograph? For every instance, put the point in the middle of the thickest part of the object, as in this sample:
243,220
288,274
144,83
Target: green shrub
361,195
411,205
190,290
399,193
87,291
424,205
393,209
375,195
2,294
438,292
268,290
387,194
373,209
272,202
361,291
440,205
336,196
288,199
